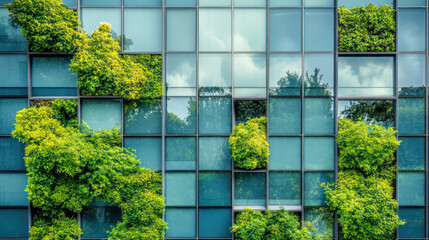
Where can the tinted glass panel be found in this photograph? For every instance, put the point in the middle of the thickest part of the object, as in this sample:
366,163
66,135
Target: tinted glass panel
285,74
180,153
245,109
102,114
319,27
285,3
148,150
180,189
250,189
181,70
214,189
319,74
411,29
12,186
411,153
69,3
319,116
285,153
138,23
285,188
319,153
415,223
92,17
321,218
8,110
403,3
98,220
285,115
285,30
314,193
412,74
411,189
380,112
11,154
214,153
181,30
145,118
411,115
11,38
214,74
14,223
101,3
249,3
215,223
319,3
250,72
14,79
215,29
180,2
250,29
181,115
357,3
205,3
149,3
215,115
181,222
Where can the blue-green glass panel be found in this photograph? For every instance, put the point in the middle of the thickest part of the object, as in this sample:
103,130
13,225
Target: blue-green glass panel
143,3
212,3
285,188
102,113
285,3
371,111
285,74
180,3
181,29
11,38
319,27
180,189
411,3
319,116
104,3
14,223
250,3
214,223
3,2
11,154
215,115
12,186
314,193
14,79
411,153
250,189
93,17
181,113
214,153
321,218
415,223
250,29
8,109
358,3
214,189
411,119
181,222
319,153
138,24
411,189
181,70
214,29
96,221
319,74
250,70
180,153
285,115
70,3
145,118
319,3
285,153
215,74
51,76
148,150
411,29
412,74
285,29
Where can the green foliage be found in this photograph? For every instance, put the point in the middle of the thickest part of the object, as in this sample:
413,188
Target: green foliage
366,29
65,111
249,145
377,111
63,228
48,25
249,224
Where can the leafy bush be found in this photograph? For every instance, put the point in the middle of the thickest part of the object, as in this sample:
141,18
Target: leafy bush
249,145
366,29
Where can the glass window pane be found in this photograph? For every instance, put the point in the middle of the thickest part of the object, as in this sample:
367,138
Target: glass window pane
250,29
411,3
181,29
215,115
214,153
51,77
411,153
14,79
180,189
214,189
214,223
366,76
92,17
285,115
285,74
181,115
319,74
411,119
285,153
415,223
250,189
285,188
358,3
245,109
214,74
215,29
11,38
411,29
145,118
148,150
319,116
102,113
145,3
181,71
181,222
14,223
12,186
249,3
319,153
411,189
3,2
8,110
180,153
319,27
285,3
140,22
210,3
412,74
250,70
285,30
373,111
104,3
319,3
180,3
321,218
11,154
314,193
69,3
98,220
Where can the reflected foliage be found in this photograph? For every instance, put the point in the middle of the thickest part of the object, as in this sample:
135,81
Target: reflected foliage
412,91
176,124
379,112
289,85
247,109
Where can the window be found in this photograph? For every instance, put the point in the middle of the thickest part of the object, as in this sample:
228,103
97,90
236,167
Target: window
12,186
14,223
411,29
148,150
215,74
180,3
319,74
412,74
250,189
411,119
11,38
250,75
319,153
285,74
415,223
145,118
319,27
411,153
11,154
319,116
215,223
180,189
214,153
14,79
181,113
181,222
181,74
285,30
214,29
97,220
215,115
143,29
314,193
102,113
181,29
214,189
249,28
92,17
146,3
249,3
285,188
411,189
180,153
8,110
285,153
285,115
104,3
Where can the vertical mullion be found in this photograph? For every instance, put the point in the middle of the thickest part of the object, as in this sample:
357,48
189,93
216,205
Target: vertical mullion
163,103
267,106
197,123
233,114
426,129
302,108
335,227
79,118
396,101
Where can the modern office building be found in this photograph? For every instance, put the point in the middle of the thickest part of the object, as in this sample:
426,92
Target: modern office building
221,59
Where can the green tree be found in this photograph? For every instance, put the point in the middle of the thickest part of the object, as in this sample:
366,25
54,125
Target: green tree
380,112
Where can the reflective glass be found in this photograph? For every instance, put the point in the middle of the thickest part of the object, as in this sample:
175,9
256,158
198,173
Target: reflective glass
214,223
285,30
411,119
12,186
11,154
319,27
181,29
245,109
148,150
250,189
373,111
215,115
138,24
13,74
411,29
366,76
250,29
285,153
103,3
412,74
181,115
411,153
411,3
285,3
319,74
314,193
249,3
93,17
3,2
214,74
214,29
180,3
415,223
211,3
180,189
319,3
285,188
69,3
143,3
285,115
8,110
11,38
98,220
51,76
145,118
180,153
285,74
181,70
214,153
319,153
102,113
321,218
319,116
250,70
411,189
214,189
14,223
181,222
358,3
